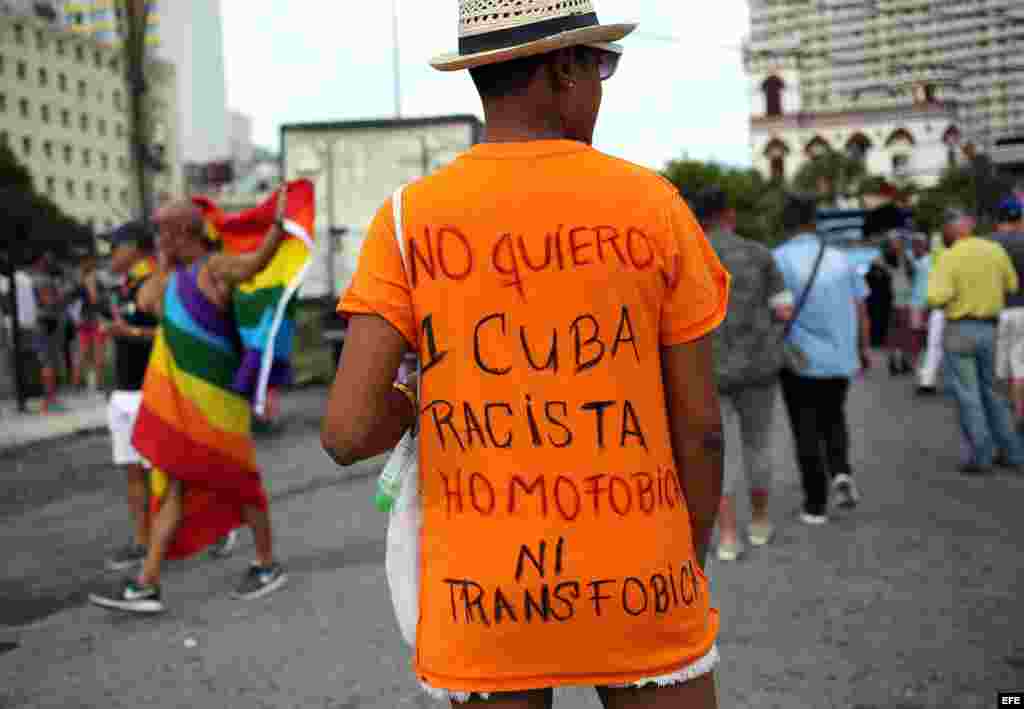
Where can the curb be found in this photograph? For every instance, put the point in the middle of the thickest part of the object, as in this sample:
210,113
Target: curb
9,450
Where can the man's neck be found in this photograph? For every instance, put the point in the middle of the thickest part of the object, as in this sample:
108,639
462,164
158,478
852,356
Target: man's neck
513,121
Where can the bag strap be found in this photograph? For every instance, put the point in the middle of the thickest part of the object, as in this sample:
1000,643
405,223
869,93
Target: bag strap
807,290
396,213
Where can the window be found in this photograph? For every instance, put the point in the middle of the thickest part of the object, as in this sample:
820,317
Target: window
778,168
98,59
119,130
79,53
22,71
82,89
44,113
1,64
23,107
26,146
104,161
117,99
83,122
89,192
51,186
3,103
69,186
48,149
67,154
900,164
65,118
124,196
62,82
101,126
106,193
86,157
40,40
44,78
60,47
122,163
5,139
19,34
115,66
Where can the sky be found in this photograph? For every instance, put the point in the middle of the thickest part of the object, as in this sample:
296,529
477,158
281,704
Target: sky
669,98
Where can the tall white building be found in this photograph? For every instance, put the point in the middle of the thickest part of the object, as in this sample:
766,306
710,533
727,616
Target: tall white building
900,84
64,114
192,38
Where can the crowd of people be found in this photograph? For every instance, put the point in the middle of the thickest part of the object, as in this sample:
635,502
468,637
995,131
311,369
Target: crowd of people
958,314
66,321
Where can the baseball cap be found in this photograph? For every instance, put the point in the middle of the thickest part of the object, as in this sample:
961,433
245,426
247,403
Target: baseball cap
130,232
1011,209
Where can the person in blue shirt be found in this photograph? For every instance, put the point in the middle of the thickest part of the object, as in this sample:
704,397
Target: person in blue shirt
833,331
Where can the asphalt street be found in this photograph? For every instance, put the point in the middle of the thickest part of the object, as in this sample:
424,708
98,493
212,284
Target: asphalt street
911,601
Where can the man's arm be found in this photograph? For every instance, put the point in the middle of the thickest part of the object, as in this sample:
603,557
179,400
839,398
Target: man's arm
232,269
780,299
695,423
366,415
228,270
940,283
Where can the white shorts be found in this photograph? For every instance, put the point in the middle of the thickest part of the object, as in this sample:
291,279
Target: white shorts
697,668
121,414
1010,345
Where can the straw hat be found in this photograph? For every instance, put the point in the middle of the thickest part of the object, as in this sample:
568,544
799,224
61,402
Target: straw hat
492,31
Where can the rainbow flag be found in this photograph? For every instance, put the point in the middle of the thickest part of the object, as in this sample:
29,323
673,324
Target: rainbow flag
264,307
192,425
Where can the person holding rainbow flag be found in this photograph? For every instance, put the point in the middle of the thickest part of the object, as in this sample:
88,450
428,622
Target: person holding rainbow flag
194,424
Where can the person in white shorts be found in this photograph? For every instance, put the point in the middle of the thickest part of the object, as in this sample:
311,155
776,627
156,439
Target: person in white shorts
133,332
1010,336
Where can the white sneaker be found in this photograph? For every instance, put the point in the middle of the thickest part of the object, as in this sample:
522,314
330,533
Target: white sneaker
760,533
222,548
844,491
729,551
814,520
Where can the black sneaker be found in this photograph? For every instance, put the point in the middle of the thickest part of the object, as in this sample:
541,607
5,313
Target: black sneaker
126,558
926,391
132,597
973,469
259,581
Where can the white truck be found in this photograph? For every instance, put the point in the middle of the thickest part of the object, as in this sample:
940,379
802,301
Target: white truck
355,166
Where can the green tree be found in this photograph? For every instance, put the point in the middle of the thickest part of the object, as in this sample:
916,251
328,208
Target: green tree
832,175
758,202
32,222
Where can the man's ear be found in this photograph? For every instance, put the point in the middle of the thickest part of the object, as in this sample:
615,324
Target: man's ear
563,69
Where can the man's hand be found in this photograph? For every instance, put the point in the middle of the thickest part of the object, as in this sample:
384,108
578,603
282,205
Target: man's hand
783,313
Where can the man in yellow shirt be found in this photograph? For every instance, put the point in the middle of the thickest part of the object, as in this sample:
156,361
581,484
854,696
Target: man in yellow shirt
970,282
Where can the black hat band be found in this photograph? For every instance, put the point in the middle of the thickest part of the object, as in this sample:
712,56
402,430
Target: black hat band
514,36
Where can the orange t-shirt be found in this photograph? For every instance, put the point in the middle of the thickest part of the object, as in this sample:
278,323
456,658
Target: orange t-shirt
543,279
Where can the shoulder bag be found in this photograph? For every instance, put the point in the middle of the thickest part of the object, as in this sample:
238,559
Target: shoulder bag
795,359
402,558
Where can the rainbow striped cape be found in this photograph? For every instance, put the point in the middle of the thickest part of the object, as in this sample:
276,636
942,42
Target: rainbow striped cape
192,425
264,307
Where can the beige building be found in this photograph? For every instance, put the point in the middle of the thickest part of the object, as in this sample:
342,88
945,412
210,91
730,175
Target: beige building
901,84
64,114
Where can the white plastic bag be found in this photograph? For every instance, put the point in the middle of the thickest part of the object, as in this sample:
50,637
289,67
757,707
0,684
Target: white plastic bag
402,557
402,560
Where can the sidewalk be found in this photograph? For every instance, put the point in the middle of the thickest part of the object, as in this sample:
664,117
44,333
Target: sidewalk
86,413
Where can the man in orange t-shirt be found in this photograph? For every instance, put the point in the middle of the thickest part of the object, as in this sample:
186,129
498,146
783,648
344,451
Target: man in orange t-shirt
570,443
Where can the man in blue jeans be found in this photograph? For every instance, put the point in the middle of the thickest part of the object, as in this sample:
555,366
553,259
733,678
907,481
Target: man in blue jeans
970,281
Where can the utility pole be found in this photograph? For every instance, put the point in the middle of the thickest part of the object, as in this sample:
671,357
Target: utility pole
397,58
134,37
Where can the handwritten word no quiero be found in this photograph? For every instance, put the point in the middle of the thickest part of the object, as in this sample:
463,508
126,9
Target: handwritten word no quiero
447,252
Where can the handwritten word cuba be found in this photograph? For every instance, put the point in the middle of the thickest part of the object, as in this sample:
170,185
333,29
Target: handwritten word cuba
447,252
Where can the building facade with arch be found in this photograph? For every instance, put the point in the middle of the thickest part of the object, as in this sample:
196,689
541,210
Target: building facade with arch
904,85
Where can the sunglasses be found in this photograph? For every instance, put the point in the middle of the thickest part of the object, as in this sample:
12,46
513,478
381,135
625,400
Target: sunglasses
608,55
